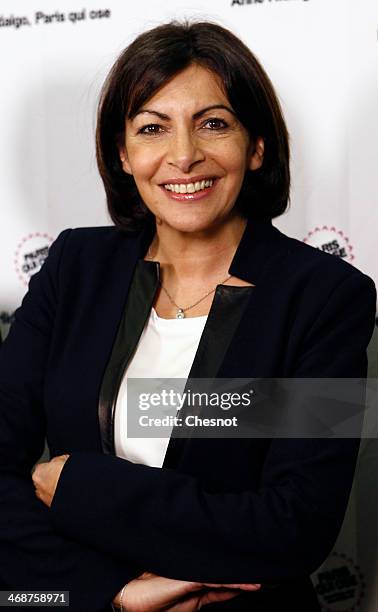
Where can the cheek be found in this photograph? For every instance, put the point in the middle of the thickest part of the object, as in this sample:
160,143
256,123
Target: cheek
143,162
233,157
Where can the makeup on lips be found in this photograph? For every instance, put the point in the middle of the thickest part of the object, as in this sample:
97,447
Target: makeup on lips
194,188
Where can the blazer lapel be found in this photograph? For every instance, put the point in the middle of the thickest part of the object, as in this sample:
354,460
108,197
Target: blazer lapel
136,312
128,318
225,314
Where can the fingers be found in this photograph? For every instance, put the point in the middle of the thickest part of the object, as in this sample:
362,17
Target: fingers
197,601
213,596
243,587
36,475
60,458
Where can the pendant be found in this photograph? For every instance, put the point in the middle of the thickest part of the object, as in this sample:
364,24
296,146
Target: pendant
180,314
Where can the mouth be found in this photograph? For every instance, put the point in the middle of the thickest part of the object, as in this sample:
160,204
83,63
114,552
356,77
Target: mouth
189,189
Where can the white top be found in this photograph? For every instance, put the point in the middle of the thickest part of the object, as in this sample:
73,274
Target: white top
166,349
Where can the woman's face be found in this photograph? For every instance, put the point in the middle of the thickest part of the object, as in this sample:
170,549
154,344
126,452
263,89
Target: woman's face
188,152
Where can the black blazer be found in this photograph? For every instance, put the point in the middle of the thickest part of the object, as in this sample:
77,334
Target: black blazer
244,510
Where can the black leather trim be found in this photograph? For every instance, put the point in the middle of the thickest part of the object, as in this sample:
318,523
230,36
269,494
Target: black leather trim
224,317
138,306
225,313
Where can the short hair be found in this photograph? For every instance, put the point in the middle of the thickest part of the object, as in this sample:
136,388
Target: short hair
145,66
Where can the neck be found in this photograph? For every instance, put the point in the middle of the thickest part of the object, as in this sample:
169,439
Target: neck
189,256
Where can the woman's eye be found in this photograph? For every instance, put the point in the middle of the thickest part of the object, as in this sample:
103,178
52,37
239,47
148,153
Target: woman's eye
215,124
151,129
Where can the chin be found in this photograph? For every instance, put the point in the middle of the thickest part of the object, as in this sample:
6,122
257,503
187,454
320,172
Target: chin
193,222
191,225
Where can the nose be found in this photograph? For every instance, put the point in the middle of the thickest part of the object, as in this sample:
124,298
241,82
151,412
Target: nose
184,151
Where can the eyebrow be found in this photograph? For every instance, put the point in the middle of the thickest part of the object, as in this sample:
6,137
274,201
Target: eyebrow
196,115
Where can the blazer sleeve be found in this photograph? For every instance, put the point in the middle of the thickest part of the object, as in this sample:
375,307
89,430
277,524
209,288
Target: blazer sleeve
280,531
32,554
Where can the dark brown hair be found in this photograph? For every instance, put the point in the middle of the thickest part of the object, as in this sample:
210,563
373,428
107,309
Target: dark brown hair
145,66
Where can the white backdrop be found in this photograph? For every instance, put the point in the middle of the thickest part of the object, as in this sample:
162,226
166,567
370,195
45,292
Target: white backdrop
322,57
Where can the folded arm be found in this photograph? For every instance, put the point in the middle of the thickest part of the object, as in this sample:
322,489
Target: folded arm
33,555
282,530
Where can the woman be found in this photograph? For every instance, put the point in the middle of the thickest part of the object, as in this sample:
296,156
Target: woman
193,282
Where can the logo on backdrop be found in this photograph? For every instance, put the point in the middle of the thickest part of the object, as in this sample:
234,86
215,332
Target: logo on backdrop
340,585
39,18
30,255
330,240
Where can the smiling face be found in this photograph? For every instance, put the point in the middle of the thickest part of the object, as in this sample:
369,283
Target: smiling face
188,152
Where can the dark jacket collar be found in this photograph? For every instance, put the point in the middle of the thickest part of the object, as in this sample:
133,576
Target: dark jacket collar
256,248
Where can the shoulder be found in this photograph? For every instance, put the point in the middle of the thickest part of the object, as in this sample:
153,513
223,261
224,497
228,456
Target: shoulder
331,309
321,290
102,238
88,254
92,244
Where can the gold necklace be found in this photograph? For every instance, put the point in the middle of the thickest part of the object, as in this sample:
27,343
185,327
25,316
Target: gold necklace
180,314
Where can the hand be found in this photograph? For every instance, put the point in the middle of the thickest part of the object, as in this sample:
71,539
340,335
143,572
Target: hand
46,476
152,593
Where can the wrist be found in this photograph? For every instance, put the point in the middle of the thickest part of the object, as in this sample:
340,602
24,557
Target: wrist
120,607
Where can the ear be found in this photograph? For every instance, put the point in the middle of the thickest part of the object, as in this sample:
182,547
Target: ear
124,159
257,155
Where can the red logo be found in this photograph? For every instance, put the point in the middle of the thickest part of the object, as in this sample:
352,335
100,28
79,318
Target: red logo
330,240
30,255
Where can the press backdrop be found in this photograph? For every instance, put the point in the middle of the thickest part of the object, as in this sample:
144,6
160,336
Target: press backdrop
322,57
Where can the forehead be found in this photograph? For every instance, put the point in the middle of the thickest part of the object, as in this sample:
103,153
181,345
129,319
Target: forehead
193,88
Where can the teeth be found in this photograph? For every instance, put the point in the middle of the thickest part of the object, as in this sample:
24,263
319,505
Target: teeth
188,187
